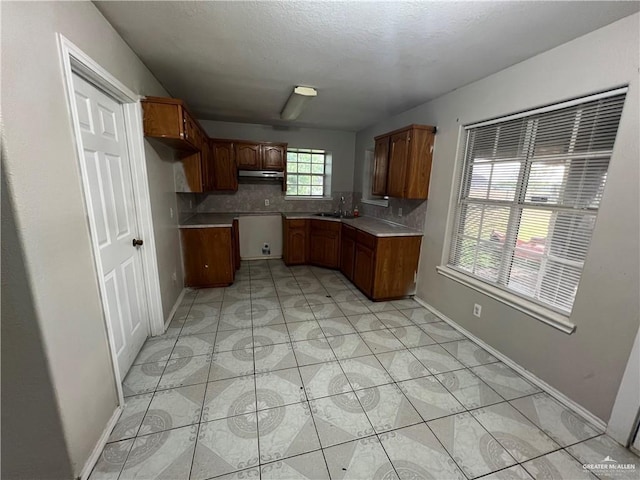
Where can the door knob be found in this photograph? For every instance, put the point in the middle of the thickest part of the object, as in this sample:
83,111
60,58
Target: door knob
137,242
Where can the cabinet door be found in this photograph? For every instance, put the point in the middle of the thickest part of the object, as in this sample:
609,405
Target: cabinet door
190,130
273,157
192,165
398,157
225,172
364,269
208,256
162,120
419,164
380,167
347,255
297,246
248,156
208,170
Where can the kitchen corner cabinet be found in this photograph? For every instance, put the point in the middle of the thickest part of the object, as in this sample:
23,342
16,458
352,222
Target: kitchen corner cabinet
209,256
168,120
295,241
223,164
324,243
402,162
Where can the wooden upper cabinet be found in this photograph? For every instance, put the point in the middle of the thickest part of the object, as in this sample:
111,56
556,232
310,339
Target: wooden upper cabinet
225,172
274,157
248,156
410,153
380,166
169,120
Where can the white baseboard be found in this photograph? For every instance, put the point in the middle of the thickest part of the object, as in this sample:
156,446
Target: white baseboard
97,450
174,308
561,397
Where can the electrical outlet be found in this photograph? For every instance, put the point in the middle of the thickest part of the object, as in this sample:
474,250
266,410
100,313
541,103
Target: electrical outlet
174,277
399,211
266,202
477,310
171,212
266,250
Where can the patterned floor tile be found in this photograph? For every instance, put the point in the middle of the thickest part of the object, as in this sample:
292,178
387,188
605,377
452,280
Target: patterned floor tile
225,446
286,431
595,450
352,307
263,292
177,407
412,336
345,296
233,340
557,466
339,419
326,310
293,301
309,352
208,295
165,454
236,306
309,466
376,307
233,321
468,353
111,460
436,359
522,439
512,473
420,315
441,332
298,314
270,334
557,421
185,371
365,372
235,363
324,380
394,319
469,389
387,408
380,341
282,387
142,378
348,346
336,326
402,365
227,398
200,344
131,418
430,398
362,459
474,450
155,350
261,305
199,325
274,357
416,453
319,296
307,330
267,318
504,380
199,311
366,322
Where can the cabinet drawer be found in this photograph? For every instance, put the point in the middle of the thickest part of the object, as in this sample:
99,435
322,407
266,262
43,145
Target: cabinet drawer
366,239
325,226
297,223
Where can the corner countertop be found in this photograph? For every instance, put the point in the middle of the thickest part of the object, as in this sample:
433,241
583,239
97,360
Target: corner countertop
371,225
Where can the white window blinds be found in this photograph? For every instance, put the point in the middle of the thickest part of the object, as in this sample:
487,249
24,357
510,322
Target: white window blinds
529,195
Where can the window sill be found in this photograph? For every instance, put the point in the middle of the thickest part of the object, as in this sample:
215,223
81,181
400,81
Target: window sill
532,309
378,203
300,197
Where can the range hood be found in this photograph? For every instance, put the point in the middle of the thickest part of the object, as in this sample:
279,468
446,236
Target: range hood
261,174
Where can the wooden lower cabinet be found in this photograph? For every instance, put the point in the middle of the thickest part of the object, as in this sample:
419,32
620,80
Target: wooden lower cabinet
383,268
295,237
324,243
235,236
209,258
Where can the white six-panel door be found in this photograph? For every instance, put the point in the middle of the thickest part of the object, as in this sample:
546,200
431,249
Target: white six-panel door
111,206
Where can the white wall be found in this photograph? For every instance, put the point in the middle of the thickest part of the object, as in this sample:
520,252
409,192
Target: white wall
42,170
586,366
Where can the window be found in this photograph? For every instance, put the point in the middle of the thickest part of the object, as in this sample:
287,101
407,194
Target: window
308,172
529,195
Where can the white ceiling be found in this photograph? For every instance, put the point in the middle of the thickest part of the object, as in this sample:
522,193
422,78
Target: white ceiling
239,61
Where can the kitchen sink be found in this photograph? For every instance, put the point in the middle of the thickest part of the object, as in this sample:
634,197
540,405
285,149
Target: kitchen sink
332,215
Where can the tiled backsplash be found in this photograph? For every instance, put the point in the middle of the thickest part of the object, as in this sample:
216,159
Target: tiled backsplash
251,198
413,211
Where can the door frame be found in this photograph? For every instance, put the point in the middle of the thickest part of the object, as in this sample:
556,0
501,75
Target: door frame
75,61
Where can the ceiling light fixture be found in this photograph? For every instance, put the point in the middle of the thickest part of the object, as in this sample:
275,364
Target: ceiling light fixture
296,102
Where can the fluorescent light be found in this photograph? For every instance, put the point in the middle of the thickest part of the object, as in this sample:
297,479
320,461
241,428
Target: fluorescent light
297,100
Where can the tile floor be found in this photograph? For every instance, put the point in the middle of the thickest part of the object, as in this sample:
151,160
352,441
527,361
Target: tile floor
291,373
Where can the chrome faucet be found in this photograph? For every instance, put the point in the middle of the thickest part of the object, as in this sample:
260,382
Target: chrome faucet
341,205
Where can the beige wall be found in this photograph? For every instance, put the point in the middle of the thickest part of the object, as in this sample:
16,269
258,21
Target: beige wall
42,171
587,366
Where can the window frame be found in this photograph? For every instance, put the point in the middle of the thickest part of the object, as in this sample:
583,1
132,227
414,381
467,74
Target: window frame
326,175
535,309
